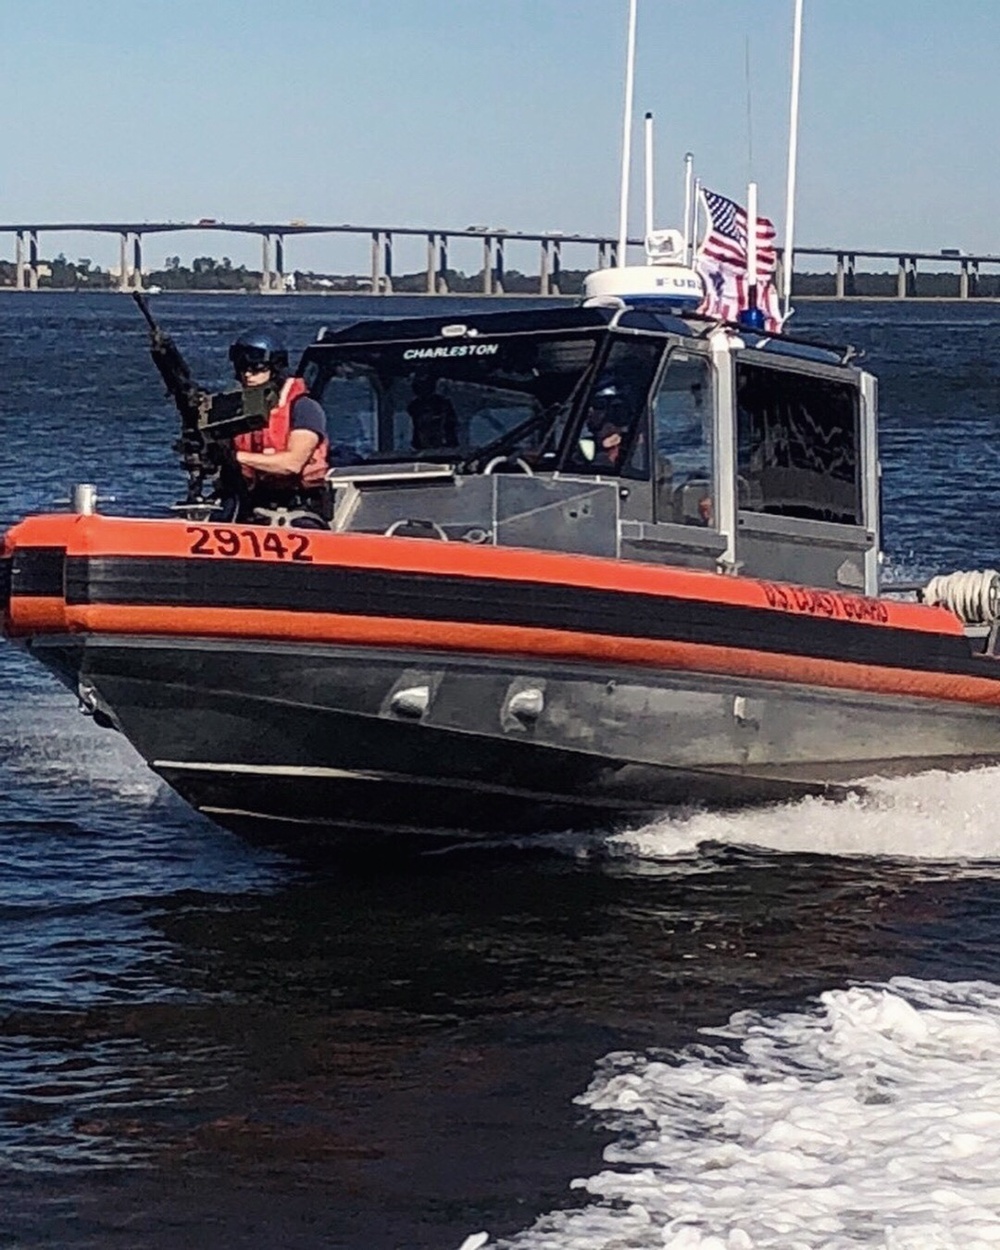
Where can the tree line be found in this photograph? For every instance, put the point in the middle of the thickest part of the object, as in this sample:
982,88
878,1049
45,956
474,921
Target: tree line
207,273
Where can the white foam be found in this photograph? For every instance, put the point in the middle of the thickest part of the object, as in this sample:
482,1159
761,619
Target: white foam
872,1120
933,816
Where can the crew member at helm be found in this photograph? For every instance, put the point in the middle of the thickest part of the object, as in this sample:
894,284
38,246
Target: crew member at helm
284,464
435,423
607,423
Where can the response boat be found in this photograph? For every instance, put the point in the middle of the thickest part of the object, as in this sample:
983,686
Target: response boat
582,564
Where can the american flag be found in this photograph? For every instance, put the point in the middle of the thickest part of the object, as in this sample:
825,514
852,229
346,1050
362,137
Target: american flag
722,262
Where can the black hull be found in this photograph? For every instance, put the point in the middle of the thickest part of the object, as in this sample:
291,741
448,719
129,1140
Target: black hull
290,742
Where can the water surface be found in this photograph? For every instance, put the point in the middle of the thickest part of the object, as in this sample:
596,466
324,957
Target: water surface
770,1029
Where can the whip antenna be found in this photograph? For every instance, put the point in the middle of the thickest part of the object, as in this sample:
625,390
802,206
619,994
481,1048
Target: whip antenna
689,207
746,70
649,174
627,134
793,145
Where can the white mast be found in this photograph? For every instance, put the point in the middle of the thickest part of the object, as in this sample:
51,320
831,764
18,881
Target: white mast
627,135
649,174
752,241
695,207
688,205
793,144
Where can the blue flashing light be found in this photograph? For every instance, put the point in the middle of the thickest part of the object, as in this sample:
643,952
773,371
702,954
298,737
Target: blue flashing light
753,319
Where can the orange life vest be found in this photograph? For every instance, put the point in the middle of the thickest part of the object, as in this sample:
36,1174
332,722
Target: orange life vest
274,437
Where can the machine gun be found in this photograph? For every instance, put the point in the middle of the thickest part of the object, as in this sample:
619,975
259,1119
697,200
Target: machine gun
208,420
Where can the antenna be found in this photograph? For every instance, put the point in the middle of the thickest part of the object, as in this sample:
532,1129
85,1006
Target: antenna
649,174
793,145
696,199
627,135
746,68
688,205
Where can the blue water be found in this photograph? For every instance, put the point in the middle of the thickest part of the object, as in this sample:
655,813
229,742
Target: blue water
204,1043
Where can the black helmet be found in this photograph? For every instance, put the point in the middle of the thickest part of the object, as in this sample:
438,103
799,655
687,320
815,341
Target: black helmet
257,349
606,405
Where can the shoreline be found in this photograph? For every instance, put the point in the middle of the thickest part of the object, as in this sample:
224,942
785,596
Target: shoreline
476,295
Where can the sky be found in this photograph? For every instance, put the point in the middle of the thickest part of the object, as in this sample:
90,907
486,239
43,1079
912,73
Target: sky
448,113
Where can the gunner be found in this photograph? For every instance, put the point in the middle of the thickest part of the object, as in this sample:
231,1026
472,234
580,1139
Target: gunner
284,464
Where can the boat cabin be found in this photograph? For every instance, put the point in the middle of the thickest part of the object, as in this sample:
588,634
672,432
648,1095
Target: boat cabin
622,431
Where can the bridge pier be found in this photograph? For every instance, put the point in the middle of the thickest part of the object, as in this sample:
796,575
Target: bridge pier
272,272
846,274
906,277
488,265
278,276
543,268
381,262
265,264
129,267
27,272
549,266
498,265
437,263
968,281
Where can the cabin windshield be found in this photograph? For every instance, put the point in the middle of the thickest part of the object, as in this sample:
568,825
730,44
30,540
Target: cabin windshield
448,401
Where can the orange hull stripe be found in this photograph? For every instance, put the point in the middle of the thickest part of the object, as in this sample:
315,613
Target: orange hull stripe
34,614
528,643
113,536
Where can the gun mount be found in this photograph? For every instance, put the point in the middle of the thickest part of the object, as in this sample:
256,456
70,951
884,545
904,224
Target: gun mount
225,414
209,420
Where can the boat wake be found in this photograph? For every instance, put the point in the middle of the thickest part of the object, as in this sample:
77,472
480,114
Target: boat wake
932,816
872,1119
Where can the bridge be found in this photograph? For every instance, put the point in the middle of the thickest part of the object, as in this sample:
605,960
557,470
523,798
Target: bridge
494,242
273,236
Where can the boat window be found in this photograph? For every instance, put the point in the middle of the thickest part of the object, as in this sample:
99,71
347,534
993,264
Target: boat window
797,445
612,438
683,430
445,402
